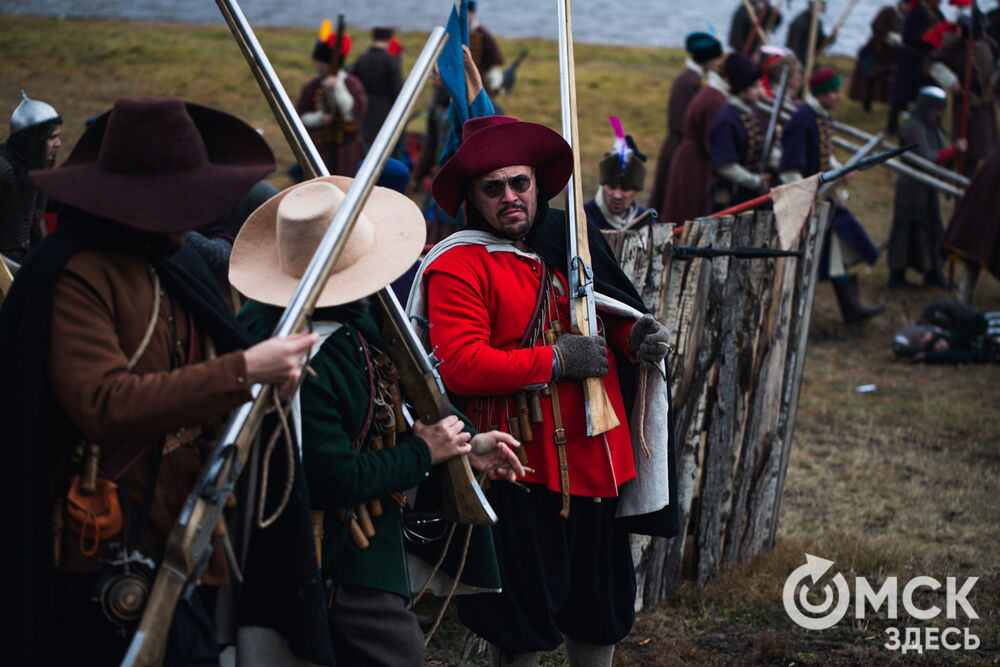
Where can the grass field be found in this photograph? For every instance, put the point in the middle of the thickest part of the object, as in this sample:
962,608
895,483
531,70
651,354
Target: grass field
902,481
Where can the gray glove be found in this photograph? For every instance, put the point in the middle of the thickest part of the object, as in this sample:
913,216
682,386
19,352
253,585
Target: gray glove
578,357
649,340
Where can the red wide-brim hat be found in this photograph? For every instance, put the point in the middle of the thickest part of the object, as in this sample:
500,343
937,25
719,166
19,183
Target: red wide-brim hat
160,164
492,142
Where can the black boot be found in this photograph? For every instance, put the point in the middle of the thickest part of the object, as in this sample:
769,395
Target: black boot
851,307
934,278
897,280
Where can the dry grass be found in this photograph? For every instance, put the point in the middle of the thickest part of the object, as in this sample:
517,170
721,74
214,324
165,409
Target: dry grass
900,482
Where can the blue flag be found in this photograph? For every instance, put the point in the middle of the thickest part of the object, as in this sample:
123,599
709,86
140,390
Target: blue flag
451,67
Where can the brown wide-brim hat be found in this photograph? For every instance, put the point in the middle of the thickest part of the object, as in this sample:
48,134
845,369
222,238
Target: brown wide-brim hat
278,240
160,164
492,142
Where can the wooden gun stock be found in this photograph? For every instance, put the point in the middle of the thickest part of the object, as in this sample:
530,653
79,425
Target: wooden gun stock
463,499
600,413
149,643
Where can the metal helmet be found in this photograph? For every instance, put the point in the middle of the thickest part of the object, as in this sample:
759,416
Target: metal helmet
30,113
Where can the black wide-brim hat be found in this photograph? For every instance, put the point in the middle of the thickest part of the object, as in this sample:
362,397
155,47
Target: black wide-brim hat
160,164
492,142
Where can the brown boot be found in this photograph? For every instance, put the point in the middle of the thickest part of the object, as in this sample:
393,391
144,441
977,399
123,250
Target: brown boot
851,307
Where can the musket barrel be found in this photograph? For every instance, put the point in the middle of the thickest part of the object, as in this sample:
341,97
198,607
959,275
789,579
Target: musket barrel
860,153
772,121
911,159
227,458
908,170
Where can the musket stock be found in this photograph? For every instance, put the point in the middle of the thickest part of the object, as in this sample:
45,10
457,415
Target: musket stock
463,499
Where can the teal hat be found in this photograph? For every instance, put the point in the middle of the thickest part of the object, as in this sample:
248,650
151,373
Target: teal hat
702,46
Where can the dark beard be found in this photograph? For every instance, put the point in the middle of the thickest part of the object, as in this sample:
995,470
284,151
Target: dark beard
474,220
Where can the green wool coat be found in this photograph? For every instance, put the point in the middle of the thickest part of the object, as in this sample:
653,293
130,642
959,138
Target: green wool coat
334,406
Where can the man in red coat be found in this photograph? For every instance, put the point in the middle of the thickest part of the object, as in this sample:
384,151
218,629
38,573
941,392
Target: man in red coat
489,292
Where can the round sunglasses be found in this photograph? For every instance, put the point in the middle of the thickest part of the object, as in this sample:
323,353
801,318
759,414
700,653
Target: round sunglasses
495,187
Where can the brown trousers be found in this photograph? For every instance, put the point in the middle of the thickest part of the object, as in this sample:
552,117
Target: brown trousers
371,627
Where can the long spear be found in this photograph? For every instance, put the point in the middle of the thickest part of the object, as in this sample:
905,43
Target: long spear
824,177
963,121
828,42
747,46
811,53
756,26
583,317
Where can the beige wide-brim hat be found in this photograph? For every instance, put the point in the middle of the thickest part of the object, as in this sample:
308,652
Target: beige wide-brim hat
278,240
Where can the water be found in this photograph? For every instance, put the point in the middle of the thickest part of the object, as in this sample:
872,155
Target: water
628,22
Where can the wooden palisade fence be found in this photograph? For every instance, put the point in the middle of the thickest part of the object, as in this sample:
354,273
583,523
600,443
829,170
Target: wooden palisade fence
740,329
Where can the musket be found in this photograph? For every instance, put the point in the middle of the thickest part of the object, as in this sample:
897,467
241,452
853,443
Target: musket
708,252
912,159
772,121
756,27
6,277
646,217
811,53
510,72
858,155
909,170
824,177
828,42
189,543
338,44
583,316
463,499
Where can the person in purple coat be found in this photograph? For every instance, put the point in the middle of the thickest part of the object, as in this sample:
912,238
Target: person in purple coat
736,138
807,148
619,178
704,54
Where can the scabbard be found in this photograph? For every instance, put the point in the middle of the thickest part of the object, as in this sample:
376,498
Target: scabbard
560,433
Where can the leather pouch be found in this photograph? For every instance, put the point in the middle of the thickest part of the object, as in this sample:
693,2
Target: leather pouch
96,516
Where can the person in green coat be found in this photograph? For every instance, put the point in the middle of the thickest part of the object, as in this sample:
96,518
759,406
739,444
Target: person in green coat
356,451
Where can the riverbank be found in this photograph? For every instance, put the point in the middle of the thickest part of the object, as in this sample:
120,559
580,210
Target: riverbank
902,481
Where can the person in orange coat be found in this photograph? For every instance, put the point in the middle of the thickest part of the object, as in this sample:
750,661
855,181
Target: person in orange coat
563,547
115,346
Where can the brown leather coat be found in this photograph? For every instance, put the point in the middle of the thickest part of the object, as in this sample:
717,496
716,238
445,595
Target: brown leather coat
102,306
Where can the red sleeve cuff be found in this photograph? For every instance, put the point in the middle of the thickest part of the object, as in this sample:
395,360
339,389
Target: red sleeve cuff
946,155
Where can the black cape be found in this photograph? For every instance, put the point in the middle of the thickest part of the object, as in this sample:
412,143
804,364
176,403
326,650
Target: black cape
30,601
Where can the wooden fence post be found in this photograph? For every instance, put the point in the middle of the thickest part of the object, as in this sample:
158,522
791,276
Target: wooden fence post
740,329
